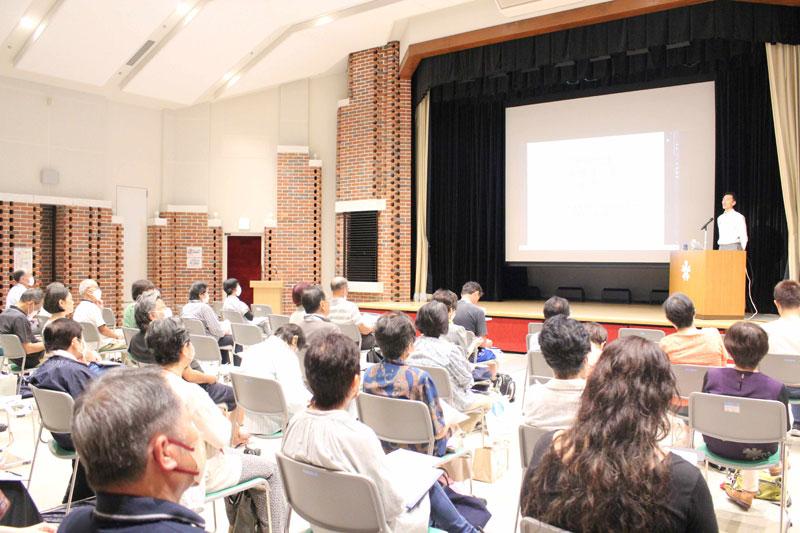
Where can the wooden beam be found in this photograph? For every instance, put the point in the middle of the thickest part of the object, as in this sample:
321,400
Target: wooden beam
584,16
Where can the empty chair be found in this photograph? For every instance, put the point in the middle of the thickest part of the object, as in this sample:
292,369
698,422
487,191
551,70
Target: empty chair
654,335
246,334
276,321
531,525
193,326
535,327
261,310
537,369
351,330
261,397
206,350
109,318
234,317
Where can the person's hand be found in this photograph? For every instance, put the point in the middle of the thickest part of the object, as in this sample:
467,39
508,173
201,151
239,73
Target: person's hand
487,343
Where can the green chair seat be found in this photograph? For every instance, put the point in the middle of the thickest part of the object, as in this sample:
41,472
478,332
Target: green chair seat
14,367
772,460
235,489
61,453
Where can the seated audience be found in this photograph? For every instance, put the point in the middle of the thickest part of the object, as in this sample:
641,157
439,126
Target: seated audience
690,345
23,280
554,306
315,321
225,467
199,309
327,435
138,287
141,452
58,302
15,321
784,333
748,344
297,294
393,378
431,350
90,308
277,357
607,472
554,404
233,290
598,337
66,370
469,315
343,311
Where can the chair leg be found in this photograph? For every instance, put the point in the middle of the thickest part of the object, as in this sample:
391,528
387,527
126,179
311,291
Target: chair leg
33,462
288,518
525,388
783,485
72,483
705,468
516,517
214,512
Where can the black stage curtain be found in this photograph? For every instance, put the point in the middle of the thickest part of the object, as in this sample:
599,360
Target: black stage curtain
470,90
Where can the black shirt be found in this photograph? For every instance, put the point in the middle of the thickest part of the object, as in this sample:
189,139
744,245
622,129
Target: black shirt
15,322
139,350
688,500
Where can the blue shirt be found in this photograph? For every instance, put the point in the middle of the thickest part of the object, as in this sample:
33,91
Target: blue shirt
119,513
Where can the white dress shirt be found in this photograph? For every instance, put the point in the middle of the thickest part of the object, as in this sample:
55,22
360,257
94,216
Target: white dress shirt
784,335
14,294
732,228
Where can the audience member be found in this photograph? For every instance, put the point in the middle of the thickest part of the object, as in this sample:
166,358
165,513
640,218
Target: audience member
225,467
233,290
597,337
690,345
315,321
784,333
58,302
554,306
15,321
199,309
343,311
23,280
297,294
431,350
277,357
607,472
141,452
393,378
748,344
90,308
553,405
66,370
327,435
469,315
138,287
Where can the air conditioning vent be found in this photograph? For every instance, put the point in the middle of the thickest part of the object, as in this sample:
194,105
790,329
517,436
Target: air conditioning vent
535,8
140,52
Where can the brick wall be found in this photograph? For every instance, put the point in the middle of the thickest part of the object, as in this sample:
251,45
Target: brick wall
47,225
293,249
373,161
19,227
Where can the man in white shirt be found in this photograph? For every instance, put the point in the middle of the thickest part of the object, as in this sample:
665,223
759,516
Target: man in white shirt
343,311
23,281
784,333
91,308
731,225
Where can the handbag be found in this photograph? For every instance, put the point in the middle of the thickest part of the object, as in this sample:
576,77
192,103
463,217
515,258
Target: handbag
471,508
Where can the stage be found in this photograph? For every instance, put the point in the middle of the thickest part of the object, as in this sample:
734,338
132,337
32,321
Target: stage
509,320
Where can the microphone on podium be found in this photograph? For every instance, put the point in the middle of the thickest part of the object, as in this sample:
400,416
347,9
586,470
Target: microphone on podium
704,226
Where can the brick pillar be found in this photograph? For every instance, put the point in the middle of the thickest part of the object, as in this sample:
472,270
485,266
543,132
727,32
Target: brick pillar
161,259
19,227
110,276
293,249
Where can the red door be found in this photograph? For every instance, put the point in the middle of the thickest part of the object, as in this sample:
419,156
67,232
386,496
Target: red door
244,263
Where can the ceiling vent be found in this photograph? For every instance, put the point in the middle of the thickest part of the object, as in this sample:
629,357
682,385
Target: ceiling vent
140,52
535,8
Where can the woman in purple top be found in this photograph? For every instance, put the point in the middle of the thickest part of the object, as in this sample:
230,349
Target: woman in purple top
747,343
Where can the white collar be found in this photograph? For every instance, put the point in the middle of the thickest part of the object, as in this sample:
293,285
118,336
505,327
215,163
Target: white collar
63,353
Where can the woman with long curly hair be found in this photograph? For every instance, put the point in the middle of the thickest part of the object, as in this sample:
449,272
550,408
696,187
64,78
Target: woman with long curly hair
607,472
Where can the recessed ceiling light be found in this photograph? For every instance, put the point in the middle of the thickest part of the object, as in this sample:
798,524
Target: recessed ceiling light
233,80
28,23
324,19
183,8
39,30
192,14
227,76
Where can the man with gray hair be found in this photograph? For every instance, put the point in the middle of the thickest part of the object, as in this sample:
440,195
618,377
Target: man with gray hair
91,308
141,452
23,280
343,311
16,321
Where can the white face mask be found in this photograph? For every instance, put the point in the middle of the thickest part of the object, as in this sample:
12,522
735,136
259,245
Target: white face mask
32,282
238,290
167,312
98,294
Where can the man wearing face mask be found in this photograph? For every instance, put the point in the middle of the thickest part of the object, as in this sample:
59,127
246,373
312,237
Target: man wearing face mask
23,281
16,321
141,453
91,308
233,289
199,309
66,370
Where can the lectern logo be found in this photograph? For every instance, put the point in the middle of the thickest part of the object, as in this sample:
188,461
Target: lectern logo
686,270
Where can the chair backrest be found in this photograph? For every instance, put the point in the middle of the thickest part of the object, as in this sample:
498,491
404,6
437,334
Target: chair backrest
654,335
744,420
193,326
535,327
440,378
531,525
128,333
261,309
338,501
528,437
90,332
784,368
217,307
260,396
351,330
396,420
12,346
276,321
55,409
689,378
538,367
246,334
109,318
529,341
234,317
206,348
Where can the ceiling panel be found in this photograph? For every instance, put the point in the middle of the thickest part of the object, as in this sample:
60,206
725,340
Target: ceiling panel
88,40
11,12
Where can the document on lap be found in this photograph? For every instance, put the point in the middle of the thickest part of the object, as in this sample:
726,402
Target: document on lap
415,474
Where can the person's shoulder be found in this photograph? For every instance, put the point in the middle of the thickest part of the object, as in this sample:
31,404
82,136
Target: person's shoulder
683,472
79,520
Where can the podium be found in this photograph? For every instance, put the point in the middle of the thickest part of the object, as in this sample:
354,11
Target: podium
713,279
269,293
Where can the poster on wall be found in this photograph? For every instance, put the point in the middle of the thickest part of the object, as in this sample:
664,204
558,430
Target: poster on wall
194,257
23,258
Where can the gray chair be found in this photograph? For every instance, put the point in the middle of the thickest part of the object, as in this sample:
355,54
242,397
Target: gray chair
261,310
336,501
129,333
528,437
350,330
741,420
654,335
276,321
217,307
261,397
784,368
234,317
12,348
689,379
109,318
531,525
537,370
193,326
535,327
206,350
529,341
246,334
55,413
90,333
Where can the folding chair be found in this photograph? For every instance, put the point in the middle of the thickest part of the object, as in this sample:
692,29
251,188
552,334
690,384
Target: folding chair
217,307
535,327
212,497
246,334
741,420
531,525
193,326
529,340
688,379
261,310
654,335
261,397
55,413
537,370
206,350
109,318
402,421
129,333
276,321
350,330
528,437
11,348
784,368
234,317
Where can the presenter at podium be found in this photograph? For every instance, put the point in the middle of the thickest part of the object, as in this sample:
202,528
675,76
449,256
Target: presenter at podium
731,225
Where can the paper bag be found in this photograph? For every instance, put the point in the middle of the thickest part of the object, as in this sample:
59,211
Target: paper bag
490,462
457,468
